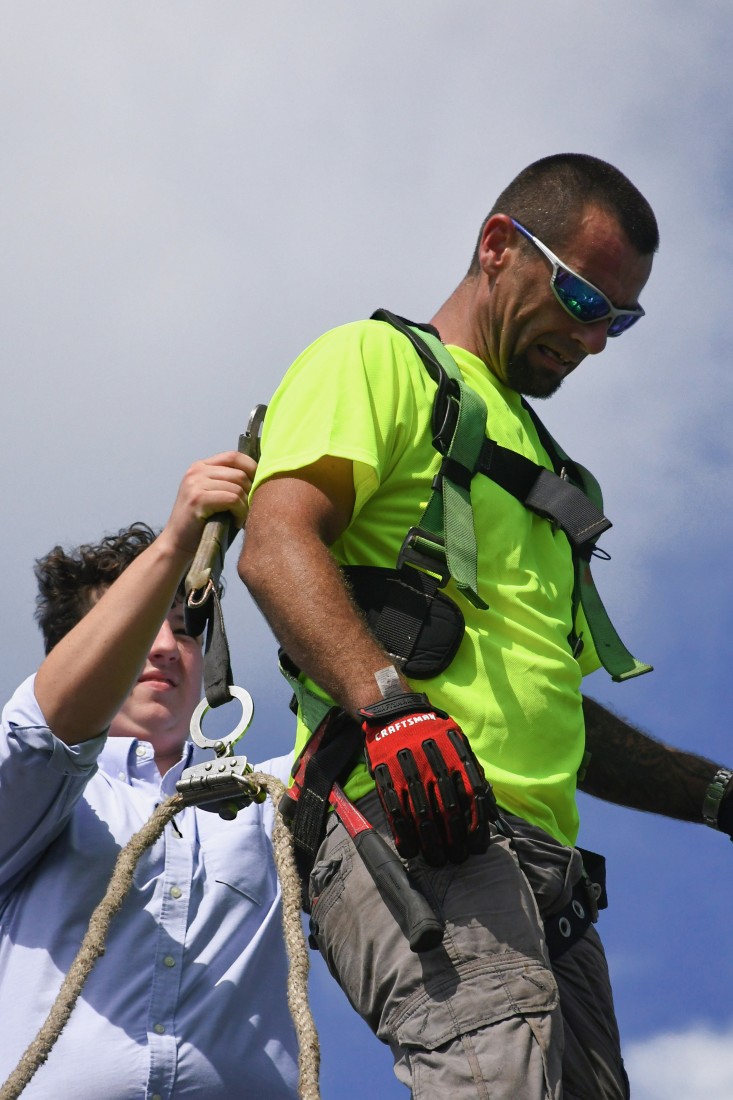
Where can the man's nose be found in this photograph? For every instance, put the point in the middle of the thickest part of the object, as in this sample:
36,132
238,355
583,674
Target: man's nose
165,645
593,337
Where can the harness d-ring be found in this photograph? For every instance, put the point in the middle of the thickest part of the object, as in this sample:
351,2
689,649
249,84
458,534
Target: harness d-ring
222,746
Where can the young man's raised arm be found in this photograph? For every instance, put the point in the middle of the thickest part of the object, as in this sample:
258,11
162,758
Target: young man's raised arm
86,677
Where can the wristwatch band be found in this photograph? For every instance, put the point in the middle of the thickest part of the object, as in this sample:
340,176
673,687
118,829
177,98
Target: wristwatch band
714,796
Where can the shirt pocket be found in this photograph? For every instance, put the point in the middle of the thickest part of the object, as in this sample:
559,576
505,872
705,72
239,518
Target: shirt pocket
239,857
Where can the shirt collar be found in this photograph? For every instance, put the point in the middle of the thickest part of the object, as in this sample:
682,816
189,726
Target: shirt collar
128,758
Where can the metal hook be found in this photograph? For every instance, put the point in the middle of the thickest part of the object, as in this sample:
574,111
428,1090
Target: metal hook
223,746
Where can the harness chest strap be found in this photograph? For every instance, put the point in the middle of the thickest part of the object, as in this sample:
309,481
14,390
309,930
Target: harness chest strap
446,533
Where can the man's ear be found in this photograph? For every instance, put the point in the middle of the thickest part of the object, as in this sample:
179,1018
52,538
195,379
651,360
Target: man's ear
497,237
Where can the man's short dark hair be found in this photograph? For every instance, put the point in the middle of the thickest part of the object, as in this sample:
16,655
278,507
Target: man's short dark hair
549,196
69,582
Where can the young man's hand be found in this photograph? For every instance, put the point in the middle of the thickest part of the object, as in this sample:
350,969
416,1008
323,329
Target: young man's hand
218,484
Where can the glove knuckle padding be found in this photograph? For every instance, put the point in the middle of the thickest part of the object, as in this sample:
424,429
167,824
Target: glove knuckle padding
432,788
402,826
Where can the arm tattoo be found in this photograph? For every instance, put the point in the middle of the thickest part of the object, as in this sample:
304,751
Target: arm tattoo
632,769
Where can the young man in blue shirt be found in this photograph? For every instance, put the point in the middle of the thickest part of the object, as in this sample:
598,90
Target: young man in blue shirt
190,995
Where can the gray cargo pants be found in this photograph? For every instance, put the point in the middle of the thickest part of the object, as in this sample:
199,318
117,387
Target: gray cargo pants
484,1015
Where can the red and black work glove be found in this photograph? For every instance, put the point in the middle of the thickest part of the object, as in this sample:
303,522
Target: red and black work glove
432,788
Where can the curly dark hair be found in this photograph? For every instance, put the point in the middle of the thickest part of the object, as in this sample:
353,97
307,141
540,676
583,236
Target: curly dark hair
548,196
69,582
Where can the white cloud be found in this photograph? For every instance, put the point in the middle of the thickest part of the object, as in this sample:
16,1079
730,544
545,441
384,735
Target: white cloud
694,1064
190,195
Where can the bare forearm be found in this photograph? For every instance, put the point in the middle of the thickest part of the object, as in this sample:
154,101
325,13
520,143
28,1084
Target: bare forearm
632,769
300,590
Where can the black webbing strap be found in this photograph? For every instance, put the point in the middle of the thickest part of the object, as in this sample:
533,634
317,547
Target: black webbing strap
337,747
398,628
407,328
546,493
201,608
208,616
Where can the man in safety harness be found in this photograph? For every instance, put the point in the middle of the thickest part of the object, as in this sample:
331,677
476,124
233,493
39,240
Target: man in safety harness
190,996
421,548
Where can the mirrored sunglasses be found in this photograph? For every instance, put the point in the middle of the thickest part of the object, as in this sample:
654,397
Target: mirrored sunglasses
583,301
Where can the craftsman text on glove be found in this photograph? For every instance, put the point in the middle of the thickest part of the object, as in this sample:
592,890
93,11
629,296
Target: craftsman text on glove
394,727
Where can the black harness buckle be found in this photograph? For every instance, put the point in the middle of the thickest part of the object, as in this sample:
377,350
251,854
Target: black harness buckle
422,557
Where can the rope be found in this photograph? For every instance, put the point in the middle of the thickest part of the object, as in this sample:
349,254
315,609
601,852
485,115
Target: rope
309,1057
93,945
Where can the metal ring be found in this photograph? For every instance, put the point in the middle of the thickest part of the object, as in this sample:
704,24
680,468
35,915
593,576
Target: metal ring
564,926
221,743
578,909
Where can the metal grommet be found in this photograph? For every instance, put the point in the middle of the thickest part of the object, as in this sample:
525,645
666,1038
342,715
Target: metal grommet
565,927
578,909
596,890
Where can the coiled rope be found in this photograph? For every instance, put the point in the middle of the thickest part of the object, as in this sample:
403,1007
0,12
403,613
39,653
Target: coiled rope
93,945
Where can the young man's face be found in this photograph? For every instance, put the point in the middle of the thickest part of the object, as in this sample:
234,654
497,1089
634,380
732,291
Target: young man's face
160,705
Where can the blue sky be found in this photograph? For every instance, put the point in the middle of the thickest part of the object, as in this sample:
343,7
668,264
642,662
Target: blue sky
191,193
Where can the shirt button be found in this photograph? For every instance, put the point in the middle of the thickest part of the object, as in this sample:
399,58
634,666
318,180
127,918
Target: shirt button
141,750
159,1029
169,961
156,1096
176,891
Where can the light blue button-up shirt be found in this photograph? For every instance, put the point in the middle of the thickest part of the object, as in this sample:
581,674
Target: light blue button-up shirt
189,999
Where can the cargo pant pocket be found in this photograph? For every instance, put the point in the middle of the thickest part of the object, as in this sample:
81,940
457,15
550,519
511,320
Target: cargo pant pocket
493,1035
485,993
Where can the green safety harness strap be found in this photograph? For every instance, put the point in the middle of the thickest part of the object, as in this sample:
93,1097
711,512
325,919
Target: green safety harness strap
449,512
612,653
445,534
311,707
444,542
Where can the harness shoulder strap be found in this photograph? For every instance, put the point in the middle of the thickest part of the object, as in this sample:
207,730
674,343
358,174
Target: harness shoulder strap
612,653
446,529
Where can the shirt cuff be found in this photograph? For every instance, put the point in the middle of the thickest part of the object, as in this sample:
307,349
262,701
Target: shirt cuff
66,759
27,727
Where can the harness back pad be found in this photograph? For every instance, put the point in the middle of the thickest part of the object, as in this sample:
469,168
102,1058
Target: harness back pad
419,626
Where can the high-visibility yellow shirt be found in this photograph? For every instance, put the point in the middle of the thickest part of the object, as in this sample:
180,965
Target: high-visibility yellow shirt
361,393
